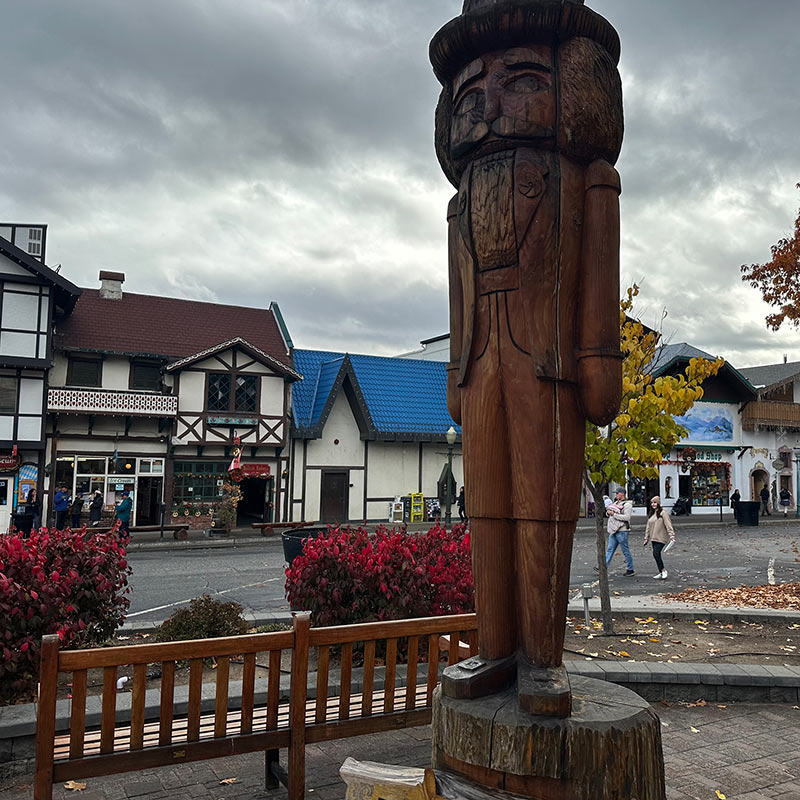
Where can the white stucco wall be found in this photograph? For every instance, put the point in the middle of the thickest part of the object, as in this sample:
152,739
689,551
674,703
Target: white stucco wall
116,373
340,445
272,387
192,391
393,469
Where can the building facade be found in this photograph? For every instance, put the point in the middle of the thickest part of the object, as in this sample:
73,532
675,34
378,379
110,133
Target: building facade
151,395
33,298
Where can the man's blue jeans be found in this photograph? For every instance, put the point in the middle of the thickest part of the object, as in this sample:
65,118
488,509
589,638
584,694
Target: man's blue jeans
619,538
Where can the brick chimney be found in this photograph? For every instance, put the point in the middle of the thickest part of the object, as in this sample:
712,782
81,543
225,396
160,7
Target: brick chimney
111,285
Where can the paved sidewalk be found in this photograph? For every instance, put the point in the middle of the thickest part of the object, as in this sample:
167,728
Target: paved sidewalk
747,752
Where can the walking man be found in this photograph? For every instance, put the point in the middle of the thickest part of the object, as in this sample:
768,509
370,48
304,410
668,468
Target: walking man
124,516
619,526
764,495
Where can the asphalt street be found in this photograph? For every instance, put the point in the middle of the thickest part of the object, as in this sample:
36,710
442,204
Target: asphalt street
253,574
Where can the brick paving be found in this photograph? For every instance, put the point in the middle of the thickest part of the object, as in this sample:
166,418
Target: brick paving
745,751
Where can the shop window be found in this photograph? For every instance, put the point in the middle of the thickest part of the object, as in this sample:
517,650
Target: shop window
246,393
711,484
123,466
145,375
151,466
65,471
219,391
8,395
198,482
84,372
91,466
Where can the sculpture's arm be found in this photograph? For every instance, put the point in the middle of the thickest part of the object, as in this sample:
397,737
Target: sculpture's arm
456,313
600,359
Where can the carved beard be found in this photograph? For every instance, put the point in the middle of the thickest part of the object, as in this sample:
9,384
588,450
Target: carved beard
492,211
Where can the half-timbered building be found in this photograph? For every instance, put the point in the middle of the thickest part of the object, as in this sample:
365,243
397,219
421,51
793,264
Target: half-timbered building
32,298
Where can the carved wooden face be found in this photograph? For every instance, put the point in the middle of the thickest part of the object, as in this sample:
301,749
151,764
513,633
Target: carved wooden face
501,98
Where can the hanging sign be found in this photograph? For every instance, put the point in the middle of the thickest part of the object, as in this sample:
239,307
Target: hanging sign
256,470
9,461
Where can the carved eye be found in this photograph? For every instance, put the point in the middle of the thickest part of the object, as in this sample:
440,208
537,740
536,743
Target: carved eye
525,84
469,103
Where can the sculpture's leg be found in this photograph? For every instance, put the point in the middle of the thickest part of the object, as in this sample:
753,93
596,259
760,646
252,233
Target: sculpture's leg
488,486
543,558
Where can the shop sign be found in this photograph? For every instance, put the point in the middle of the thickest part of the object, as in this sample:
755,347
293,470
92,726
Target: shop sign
9,461
233,422
707,456
255,470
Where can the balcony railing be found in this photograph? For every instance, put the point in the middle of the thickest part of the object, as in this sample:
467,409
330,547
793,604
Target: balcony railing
771,414
107,401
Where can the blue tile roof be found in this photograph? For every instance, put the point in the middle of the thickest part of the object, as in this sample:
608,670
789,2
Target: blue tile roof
400,395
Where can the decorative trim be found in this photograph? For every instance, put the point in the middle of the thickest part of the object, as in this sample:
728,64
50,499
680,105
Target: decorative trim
92,401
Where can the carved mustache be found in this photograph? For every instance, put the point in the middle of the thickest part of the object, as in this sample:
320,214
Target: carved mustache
502,127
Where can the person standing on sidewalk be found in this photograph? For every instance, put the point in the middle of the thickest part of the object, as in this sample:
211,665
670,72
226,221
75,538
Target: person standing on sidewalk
735,500
124,516
660,532
764,495
61,507
619,526
75,510
786,499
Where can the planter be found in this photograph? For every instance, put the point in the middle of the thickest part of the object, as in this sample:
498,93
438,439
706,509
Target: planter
293,540
180,535
747,515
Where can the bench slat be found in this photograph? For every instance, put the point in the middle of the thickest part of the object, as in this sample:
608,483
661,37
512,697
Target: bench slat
77,717
345,677
323,661
109,712
389,675
369,676
167,710
137,706
273,689
195,698
221,713
248,690
411,672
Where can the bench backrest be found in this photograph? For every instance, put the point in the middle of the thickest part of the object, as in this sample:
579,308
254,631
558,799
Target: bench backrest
359,688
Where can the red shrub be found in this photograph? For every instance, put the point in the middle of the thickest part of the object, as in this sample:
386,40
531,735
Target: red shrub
65,582
348,575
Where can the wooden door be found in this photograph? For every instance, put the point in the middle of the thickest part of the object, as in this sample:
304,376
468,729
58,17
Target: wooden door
334,497
148,501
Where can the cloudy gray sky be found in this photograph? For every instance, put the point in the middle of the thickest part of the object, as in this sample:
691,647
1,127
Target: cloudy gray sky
281,150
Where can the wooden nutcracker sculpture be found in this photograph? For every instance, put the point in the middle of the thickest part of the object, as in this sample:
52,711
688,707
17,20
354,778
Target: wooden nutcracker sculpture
528,126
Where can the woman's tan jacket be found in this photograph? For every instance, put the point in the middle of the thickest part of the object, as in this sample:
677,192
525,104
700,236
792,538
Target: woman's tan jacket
659,529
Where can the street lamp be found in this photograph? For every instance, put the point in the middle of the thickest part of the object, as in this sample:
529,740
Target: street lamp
451,440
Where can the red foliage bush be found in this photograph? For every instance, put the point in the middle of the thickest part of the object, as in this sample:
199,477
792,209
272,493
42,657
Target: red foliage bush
348,575
65,582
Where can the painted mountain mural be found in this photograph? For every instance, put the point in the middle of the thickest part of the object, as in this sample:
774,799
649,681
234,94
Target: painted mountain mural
708,424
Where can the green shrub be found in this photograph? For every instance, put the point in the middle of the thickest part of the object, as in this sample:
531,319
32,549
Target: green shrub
206,618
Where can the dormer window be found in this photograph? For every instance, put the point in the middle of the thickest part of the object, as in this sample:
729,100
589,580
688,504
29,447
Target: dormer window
233,392
145,375
85,371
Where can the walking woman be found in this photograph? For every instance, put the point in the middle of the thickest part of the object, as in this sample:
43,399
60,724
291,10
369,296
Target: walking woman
660,532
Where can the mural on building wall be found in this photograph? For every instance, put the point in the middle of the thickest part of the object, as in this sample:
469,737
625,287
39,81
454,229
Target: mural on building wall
708,422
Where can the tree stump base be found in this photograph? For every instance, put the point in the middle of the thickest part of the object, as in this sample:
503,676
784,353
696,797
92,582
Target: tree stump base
608,749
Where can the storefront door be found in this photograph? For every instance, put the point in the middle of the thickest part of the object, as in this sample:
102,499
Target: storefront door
334,497
253,505
148,501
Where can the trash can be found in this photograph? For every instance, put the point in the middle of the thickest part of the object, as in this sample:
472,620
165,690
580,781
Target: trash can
293,540
748,513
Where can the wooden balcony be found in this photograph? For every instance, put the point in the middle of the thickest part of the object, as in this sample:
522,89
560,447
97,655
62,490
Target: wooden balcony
771,415
107,401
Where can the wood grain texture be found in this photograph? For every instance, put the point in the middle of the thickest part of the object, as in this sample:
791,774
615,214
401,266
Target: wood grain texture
46,719
138,694
77,717
167,711
109,710
195,698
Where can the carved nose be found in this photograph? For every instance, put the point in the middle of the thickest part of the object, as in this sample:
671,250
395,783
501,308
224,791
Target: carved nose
492,110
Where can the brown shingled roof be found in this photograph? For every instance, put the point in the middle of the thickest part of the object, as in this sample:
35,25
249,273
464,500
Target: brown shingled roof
140,324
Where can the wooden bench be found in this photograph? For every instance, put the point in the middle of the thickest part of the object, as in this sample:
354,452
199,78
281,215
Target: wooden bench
336,709
268,528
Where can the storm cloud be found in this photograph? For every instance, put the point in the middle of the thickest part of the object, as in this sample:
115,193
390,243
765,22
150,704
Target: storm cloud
262,150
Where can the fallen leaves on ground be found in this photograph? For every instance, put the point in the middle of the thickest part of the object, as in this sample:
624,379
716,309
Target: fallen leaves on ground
75,786
784,596
228,781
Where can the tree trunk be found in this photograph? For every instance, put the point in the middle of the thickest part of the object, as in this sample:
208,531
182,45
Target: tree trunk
600,538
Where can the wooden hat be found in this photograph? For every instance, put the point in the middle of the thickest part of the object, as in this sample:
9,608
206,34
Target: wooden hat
486,25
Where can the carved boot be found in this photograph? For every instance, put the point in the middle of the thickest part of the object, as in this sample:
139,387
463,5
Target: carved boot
543,691
478,677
